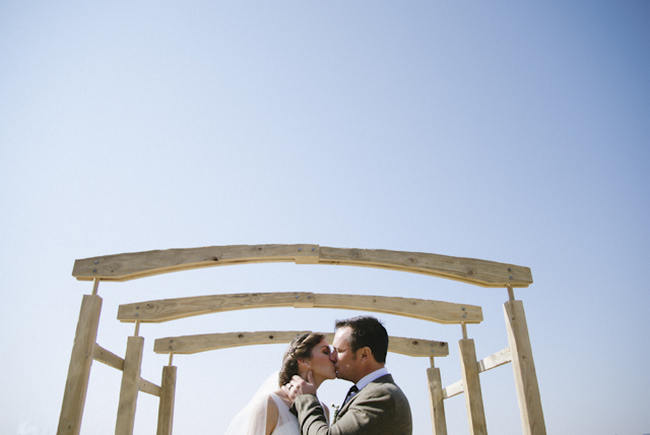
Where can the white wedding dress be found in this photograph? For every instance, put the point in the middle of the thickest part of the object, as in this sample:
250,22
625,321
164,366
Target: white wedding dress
287,422
251,420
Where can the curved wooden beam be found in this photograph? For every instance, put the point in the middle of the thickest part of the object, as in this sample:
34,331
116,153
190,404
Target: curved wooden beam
189,344
123,267
170,309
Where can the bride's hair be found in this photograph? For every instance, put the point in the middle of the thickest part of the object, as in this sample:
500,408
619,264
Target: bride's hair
299,348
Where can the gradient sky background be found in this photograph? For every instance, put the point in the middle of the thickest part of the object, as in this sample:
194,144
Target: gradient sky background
503,131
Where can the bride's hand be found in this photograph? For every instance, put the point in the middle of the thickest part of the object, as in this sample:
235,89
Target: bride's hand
298,386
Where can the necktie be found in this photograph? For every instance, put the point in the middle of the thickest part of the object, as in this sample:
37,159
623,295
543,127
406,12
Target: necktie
351,392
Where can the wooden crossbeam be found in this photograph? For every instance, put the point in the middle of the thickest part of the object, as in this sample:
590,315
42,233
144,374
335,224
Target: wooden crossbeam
495,360
189,344
453,390
170,309
107,357
148,387
110,359
122,267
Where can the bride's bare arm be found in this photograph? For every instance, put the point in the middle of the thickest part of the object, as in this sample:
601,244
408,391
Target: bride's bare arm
271,415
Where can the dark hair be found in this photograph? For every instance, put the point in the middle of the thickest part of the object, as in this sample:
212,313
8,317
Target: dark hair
299,348
367,331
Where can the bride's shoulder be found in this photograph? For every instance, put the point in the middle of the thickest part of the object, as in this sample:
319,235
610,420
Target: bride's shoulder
272,412
281,398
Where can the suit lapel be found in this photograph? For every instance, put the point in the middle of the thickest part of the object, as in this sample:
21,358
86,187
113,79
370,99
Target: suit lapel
381,380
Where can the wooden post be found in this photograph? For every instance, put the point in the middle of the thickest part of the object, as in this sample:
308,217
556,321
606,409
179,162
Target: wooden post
166,407
129,388
530,402
473,395
436,400
81,359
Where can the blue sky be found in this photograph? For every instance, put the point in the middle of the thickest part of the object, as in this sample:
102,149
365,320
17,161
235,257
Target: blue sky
509,132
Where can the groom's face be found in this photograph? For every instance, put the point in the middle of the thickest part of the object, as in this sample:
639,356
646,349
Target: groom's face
344,358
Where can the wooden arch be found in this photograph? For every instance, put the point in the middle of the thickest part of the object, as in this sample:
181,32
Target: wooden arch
123,267
190,344
170,309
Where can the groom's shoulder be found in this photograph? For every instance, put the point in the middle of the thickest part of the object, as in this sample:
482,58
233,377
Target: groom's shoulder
385,381
397,397
387,384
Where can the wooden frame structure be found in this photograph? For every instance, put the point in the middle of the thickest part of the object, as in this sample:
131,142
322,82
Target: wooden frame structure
122,267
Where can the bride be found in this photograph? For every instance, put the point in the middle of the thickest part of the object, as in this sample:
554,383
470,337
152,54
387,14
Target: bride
268,411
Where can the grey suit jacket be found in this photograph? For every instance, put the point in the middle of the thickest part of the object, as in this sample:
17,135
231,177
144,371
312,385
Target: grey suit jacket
380,408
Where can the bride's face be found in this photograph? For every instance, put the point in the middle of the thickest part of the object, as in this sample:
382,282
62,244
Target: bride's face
321,364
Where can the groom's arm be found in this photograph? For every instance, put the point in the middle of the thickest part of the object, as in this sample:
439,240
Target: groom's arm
368,415
311,416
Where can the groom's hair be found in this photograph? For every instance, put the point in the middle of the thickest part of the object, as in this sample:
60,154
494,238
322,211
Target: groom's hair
367,331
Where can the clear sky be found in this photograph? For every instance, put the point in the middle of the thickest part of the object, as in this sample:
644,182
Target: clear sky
503,131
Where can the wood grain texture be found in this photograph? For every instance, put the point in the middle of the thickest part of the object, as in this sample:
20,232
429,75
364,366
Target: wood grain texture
495,360
436,401
122,267
454,389
130,386
472,384
189,344
166,405
107,357
488,363
76,385
170,309
148,387
484,273
523,366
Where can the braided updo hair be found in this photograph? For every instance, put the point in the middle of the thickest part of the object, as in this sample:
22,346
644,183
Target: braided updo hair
299,348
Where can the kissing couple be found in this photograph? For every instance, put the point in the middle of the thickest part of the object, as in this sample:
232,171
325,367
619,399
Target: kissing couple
288,404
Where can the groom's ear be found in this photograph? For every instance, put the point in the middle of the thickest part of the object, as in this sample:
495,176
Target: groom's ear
364,352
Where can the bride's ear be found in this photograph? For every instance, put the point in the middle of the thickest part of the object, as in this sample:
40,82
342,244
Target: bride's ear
304,363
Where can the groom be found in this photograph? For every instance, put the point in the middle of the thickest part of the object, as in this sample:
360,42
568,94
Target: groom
374,405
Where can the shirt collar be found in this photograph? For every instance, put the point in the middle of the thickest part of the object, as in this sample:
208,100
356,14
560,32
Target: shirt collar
371,377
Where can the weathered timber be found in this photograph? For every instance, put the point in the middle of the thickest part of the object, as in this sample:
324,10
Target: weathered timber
170,309
472,384
166,405
148,387
130,386
436,401
189,344
107,357
76,385
523,366
122,267
495,360
453,389
488,363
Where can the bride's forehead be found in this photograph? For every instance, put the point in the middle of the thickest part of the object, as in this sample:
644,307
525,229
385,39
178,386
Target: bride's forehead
323,343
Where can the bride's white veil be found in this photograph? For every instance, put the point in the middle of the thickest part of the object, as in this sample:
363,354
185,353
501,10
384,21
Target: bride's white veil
251,420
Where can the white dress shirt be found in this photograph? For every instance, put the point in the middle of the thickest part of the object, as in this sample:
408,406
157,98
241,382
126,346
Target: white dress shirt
368,379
